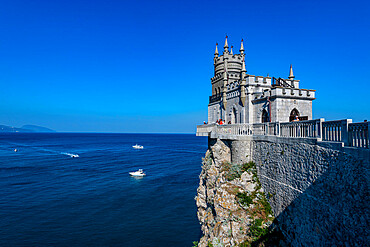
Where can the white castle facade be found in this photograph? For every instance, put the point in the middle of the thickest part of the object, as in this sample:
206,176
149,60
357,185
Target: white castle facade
238,97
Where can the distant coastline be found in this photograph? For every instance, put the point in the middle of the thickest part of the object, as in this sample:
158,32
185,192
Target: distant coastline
25,128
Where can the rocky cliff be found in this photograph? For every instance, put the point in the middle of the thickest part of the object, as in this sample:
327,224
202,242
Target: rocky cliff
317,192
232,207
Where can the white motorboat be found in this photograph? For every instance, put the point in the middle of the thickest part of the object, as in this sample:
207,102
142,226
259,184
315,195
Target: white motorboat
15,150
139,173
75,156
138,147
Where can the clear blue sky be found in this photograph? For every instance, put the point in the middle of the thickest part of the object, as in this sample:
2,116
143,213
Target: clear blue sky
145,66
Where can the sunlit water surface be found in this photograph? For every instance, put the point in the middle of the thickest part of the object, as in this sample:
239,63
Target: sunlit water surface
49,198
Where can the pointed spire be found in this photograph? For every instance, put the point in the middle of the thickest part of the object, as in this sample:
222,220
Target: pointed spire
241,47
231,51
226,46
291,76
243,66
216,51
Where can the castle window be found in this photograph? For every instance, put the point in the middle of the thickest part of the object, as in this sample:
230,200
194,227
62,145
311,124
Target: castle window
234,116
265,116
293,114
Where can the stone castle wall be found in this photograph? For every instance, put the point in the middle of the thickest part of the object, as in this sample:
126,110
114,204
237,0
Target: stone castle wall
318,191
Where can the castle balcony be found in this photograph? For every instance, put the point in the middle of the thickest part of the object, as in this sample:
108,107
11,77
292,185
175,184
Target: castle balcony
232,93
214,98
339,132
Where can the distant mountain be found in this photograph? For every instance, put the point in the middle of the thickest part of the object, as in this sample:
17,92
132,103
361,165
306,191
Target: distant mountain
4,128
25,128
35,128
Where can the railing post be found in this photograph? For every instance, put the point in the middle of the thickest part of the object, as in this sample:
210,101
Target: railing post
319,129
367,144
344,131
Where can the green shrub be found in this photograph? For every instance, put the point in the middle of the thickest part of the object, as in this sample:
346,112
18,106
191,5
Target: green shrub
244,199
249,165
195,244
256,229
266,205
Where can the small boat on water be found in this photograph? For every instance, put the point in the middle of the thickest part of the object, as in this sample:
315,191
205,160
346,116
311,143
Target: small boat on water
138,147
15,150
75,156
139,173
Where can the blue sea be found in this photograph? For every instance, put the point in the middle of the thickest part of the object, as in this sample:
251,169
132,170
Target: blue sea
48,198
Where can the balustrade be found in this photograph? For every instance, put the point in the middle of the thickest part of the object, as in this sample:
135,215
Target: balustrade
358,134
336,131
303,129
351,134
235,129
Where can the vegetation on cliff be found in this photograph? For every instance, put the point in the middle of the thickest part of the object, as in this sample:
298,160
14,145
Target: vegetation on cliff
232,206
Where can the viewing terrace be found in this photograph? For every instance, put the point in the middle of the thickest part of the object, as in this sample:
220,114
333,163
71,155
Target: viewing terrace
342,132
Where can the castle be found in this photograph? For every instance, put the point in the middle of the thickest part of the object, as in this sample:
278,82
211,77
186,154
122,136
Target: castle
238,97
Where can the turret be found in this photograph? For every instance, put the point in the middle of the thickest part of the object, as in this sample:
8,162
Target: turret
216,51
225,80
243,83
291,76
226,46
241,48
231,50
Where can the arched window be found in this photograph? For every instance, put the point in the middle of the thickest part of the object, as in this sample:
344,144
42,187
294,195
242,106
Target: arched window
293,114
234,117
265,116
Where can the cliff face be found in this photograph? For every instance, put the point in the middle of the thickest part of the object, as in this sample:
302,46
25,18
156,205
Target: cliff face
232,207
318,193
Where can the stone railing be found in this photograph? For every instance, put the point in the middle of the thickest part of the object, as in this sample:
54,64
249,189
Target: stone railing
335,131
302,129
203,130
358,134
350,134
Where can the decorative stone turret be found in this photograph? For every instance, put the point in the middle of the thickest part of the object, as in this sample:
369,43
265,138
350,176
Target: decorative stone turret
216,51
291,76
226,46
224,91
241,48
243,84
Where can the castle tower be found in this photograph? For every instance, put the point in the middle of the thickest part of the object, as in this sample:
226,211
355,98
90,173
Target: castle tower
227,75
238,97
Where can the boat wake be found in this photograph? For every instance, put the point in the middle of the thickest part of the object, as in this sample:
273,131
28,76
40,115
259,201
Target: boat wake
71,155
